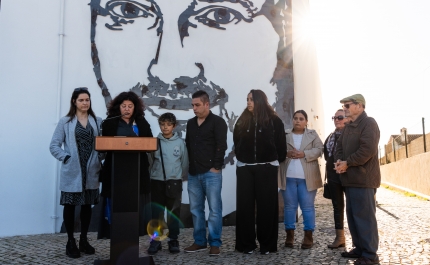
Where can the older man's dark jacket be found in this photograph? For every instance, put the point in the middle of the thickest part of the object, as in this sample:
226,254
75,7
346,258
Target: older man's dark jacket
358,146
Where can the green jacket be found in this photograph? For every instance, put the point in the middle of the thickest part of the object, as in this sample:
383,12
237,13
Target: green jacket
358,146
175,157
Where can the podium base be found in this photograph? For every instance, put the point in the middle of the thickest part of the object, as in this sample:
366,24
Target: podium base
142,261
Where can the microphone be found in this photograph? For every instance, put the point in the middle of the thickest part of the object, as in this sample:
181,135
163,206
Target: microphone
110,118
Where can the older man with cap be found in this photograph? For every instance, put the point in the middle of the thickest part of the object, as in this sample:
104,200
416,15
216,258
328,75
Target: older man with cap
357,161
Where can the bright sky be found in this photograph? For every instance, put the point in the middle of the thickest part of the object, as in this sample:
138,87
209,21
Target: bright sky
378,48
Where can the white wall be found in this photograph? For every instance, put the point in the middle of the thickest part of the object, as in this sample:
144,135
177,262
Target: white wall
29,61
28,82
307,90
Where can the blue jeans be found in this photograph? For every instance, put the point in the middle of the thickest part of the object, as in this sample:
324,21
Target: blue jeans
201,186
294,194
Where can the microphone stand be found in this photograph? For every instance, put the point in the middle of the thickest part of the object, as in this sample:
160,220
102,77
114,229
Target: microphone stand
110,118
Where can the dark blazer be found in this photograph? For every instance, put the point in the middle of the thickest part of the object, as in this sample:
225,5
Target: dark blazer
257,144
358,146
109,128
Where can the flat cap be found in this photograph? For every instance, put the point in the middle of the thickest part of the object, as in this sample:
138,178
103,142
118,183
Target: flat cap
358,98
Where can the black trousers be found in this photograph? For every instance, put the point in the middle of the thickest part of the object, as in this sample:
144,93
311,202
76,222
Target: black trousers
160,202
337,200
257,185
69,219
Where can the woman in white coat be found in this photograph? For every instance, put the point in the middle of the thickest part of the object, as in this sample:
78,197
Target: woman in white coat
73,145
299,178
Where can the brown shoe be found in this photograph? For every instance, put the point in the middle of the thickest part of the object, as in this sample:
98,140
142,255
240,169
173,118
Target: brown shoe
290,238
214,251
308,241
339,241
350,254
194,248
366,261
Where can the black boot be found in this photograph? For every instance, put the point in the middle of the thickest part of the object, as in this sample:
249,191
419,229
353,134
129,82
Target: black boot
72,250
85,247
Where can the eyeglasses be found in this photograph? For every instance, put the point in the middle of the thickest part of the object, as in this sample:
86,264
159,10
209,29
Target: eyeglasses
81,89
340,117
298,118
346,106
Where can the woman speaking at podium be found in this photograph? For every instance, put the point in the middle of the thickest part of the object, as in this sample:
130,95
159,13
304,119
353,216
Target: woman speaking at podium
126,118
79,179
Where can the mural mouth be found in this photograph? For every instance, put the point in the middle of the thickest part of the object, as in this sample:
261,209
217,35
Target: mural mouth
178,95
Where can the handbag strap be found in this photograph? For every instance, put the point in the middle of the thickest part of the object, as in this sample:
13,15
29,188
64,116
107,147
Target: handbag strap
162,161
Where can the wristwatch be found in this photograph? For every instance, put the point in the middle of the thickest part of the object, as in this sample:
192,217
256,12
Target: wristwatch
217,168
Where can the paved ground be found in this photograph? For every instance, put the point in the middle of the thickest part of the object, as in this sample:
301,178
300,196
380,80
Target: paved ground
404,230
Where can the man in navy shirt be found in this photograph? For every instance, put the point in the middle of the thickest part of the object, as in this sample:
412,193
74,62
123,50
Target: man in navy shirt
206,142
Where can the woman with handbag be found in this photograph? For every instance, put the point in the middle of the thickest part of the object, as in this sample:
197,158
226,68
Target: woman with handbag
79,177
335,189
299,178
126,118
259,140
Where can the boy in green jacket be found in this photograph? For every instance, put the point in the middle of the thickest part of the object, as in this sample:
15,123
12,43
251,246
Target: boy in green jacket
170,163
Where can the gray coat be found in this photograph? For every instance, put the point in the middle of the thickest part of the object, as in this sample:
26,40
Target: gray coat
70,176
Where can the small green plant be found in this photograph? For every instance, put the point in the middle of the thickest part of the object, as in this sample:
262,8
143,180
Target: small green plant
405,193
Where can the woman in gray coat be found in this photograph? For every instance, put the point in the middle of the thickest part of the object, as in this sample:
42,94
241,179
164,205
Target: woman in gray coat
73,145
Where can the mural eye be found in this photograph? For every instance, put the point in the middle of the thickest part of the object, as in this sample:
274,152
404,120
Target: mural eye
217,16
128,9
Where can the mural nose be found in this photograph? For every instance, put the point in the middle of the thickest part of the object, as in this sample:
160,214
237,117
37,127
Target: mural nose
171,59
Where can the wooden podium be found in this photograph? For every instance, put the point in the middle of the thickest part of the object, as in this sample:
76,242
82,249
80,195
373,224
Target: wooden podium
124,242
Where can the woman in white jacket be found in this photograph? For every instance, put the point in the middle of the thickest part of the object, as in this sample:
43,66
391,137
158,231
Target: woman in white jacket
73,145
299,178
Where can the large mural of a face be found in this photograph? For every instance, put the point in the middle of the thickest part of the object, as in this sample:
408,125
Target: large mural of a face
166,50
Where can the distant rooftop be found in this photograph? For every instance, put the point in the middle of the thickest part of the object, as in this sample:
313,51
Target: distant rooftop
400,138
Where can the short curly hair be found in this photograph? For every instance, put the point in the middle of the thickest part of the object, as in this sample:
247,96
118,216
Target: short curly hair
167,117
114,105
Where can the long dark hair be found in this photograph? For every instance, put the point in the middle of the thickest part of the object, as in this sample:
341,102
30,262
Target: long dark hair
114,105
262,113
72,111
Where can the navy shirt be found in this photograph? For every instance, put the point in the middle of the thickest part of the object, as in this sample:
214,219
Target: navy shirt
125,129
206,143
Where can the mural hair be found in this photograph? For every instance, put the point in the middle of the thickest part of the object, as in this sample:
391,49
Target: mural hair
72,111
114,105
262,113
204,97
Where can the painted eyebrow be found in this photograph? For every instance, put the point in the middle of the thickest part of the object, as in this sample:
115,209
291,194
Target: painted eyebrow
245,3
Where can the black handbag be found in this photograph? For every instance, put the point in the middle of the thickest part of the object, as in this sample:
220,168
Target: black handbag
173,186
326,193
